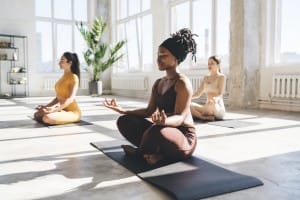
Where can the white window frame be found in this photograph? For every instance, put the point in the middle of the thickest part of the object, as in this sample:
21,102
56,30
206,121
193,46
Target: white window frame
214,29
116,22
272,35
54,22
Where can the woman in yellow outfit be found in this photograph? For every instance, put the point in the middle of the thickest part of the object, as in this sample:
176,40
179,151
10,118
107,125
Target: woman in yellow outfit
63,108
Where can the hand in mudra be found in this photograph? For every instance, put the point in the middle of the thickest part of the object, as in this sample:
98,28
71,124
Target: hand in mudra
49,109
159,117
39,107
112,104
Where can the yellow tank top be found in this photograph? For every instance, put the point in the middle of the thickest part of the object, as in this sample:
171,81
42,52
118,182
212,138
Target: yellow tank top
62,89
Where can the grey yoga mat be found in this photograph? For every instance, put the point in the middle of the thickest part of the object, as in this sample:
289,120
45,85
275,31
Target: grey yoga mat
193,178
80,123
233,123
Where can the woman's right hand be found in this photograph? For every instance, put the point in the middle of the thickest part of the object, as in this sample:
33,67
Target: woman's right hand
39,107
112,104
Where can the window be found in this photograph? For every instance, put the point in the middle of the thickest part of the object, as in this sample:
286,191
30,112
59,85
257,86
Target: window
56,31
134,24
210,20
285,37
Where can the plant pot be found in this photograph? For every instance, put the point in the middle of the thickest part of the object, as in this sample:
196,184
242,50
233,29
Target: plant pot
95,88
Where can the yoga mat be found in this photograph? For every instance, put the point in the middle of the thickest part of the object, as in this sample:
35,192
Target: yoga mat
80,123
233,123
191,179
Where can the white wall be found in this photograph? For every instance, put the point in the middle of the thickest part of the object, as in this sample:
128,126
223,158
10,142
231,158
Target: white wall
17,17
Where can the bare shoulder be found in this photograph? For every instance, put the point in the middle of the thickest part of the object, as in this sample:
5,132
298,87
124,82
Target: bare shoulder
184,82
75,78
221,77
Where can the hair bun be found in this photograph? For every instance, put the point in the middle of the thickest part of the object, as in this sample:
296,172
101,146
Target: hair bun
185,37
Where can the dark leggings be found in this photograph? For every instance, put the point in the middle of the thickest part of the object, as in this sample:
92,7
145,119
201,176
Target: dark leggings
172,143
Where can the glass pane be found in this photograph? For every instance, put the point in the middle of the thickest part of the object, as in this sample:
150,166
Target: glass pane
290,31
147,43
222,32
146,5
63,9
134,6
80,10
44,46
122,65
80,47
122,9
202,18
180,16
43,8
64,40
132,45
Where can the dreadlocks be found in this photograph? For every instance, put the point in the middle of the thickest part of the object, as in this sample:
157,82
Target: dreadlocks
181,43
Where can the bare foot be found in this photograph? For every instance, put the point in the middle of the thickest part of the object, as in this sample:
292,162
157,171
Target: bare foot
209,118
130,150
152,158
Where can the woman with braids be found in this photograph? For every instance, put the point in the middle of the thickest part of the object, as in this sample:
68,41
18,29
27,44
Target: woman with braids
164,130
213,86
63,108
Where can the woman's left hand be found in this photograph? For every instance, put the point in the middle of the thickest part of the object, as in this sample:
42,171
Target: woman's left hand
159,117
50,109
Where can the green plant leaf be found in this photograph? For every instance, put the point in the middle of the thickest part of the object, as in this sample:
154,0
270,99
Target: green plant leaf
97,56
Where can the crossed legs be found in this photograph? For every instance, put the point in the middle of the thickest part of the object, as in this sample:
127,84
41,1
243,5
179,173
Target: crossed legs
154,142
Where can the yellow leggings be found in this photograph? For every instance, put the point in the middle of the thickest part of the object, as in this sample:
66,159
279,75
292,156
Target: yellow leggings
64,117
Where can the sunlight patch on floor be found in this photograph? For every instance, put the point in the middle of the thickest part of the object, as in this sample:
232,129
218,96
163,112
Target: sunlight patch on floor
47,186
116,182
239,148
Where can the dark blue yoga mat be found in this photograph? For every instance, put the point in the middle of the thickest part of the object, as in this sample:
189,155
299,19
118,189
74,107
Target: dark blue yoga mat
191,179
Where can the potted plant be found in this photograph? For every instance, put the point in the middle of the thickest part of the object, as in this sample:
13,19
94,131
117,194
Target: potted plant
99,55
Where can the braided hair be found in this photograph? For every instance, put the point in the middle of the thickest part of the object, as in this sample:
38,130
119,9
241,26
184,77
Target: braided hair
181,43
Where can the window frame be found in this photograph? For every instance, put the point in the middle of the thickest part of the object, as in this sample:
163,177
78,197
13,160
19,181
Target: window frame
272,35
54,33
214,31
122,21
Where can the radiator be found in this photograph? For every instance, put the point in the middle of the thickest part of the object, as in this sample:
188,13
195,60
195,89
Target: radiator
196,81
49,83
286,85
129,83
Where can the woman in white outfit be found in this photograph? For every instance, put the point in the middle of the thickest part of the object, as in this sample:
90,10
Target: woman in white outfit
213,86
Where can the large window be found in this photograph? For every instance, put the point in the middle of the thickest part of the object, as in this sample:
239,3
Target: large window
56,31
134,24
210,20
284,45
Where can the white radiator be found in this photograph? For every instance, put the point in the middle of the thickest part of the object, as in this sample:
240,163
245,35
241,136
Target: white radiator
286,85
129,83
196,81
49,83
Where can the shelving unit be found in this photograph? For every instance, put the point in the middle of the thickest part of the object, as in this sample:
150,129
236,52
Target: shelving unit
13,63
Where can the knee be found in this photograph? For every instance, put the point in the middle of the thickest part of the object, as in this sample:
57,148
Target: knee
125,120
121,121
38,116
46,119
